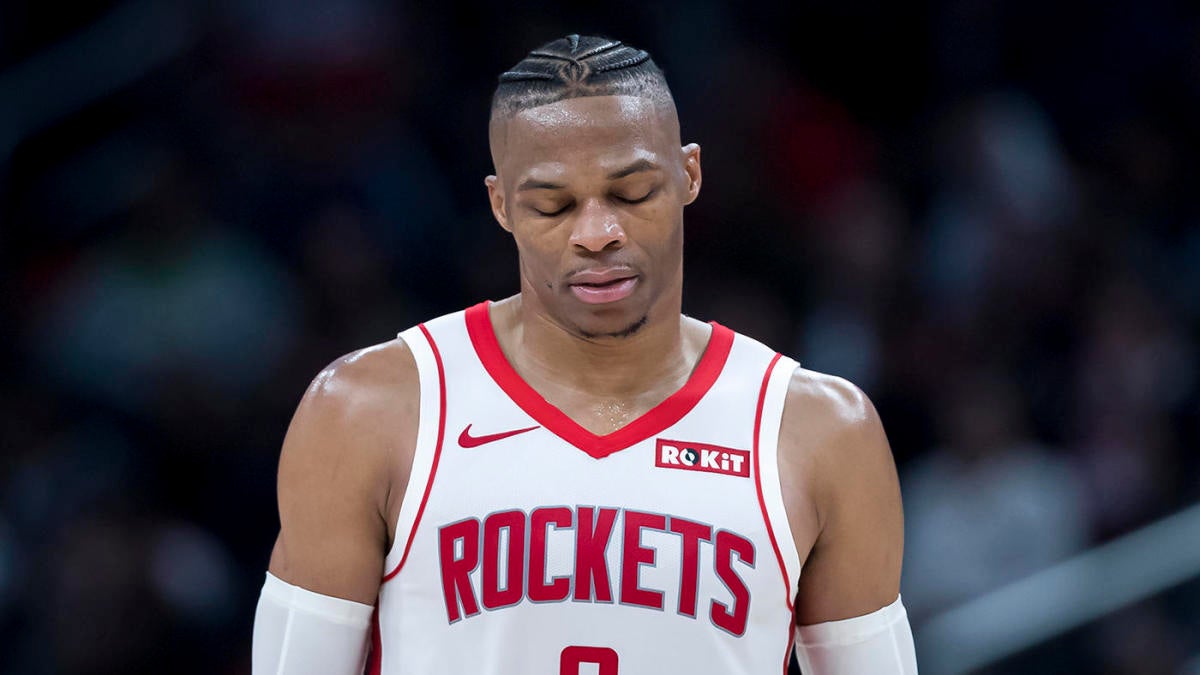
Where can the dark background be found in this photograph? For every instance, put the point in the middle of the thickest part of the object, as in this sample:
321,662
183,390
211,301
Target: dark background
983,212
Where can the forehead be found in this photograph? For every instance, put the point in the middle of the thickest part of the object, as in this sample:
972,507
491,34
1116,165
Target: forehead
587,132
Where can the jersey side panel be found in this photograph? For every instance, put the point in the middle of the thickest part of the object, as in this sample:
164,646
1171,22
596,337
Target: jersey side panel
429,375
770,491
774,395
430,429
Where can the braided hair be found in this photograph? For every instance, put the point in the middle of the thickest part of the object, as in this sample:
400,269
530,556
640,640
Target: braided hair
576,66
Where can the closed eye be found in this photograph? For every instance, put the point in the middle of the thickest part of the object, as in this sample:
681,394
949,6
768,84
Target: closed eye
550,214
639,200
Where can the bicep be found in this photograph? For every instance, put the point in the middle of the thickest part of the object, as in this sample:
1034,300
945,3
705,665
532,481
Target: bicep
332,488
853,568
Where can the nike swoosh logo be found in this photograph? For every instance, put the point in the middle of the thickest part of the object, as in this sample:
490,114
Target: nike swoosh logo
466,440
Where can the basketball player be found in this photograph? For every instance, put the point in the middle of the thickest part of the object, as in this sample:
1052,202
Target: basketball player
579,478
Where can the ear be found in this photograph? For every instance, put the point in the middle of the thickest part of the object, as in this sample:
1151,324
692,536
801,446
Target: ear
691,167
496,197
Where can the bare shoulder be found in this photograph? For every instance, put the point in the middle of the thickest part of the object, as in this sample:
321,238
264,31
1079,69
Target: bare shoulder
376,381
342,469
843,498
831,418
833,451
830,393
355,417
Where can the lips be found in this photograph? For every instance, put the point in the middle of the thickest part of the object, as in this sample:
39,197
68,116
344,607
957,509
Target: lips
603,285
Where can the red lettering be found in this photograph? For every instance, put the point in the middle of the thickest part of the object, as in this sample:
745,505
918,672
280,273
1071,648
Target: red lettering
559,587
634,555
518,566
572,657
591,540
729,545
693,534
456,571
495,597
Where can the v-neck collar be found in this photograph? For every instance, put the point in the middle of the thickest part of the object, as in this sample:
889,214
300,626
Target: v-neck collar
654,421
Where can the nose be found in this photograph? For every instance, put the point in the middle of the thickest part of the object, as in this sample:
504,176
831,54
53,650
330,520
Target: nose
597,228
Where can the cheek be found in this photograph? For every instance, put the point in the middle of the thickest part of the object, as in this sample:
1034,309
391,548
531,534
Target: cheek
540,254
662,232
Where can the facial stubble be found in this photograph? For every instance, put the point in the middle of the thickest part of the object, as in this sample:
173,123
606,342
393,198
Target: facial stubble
628,331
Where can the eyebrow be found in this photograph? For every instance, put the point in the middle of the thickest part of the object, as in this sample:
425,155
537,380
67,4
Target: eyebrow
534,184
636,167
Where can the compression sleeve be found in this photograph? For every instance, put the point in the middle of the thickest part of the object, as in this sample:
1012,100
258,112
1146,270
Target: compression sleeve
879,643
298,632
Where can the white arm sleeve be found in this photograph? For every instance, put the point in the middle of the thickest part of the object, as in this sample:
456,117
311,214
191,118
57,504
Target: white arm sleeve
298,632
879,643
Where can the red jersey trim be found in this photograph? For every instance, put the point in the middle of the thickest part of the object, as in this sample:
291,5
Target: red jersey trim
762,397
787,655
654,421
375,660
437,452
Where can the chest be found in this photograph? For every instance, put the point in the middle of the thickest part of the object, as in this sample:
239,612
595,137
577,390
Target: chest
669,524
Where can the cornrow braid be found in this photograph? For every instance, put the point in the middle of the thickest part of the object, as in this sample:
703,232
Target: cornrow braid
635,60
600,49
521,76
576,66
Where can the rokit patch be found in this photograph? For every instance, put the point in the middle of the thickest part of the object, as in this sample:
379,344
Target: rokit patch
691,456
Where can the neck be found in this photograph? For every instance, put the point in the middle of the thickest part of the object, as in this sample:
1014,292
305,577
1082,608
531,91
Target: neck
541,349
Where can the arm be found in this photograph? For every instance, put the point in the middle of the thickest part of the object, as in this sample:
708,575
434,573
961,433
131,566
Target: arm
341,475
843,501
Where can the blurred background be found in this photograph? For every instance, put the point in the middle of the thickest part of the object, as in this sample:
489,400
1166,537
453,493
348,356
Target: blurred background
985,213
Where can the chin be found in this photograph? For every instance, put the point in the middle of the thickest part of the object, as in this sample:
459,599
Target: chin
615,324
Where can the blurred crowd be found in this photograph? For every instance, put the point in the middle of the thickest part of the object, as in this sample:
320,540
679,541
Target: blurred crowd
986,214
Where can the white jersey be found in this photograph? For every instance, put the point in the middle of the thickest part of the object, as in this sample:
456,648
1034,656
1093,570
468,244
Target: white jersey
527,545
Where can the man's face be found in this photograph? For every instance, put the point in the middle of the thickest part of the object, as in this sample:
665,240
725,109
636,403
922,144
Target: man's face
593,191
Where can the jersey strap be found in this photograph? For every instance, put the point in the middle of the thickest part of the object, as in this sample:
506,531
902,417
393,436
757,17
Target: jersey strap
767,421
431,433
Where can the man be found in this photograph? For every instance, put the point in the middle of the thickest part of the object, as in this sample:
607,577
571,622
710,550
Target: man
579,478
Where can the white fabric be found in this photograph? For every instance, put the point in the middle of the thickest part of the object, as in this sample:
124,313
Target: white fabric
437,617
768,443
879,643
298,632
422,463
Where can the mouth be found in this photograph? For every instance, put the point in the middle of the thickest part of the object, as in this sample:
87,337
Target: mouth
603,287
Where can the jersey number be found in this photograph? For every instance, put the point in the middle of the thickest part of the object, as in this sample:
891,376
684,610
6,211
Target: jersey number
573,656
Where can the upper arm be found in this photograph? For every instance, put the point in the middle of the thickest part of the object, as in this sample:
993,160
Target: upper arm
341,471
840,486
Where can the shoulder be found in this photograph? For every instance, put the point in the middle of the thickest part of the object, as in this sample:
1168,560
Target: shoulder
356,418
832,402
826,407
345,453
831,439
843,499
364,383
